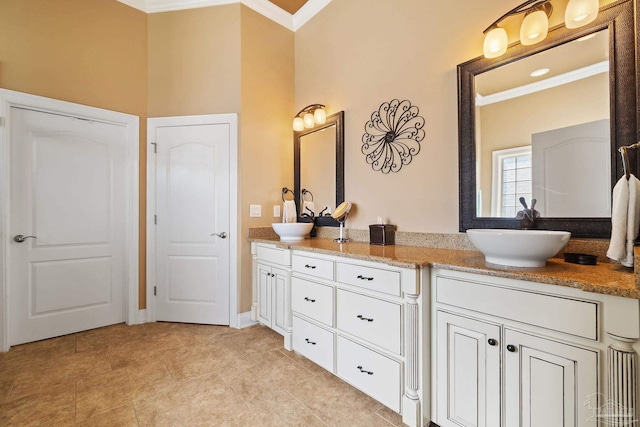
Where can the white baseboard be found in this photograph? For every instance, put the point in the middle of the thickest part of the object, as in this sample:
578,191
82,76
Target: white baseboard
142,316
244,320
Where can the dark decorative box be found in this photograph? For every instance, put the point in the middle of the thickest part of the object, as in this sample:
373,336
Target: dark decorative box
382,234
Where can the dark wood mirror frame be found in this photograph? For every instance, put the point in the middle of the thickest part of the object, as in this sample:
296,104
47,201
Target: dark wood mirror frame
619,19
336,119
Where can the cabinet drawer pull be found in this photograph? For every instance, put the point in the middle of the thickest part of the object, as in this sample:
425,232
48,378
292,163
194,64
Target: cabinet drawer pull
361,317
309,299
492,341
309,341
361,277
310,266
365,371
511,348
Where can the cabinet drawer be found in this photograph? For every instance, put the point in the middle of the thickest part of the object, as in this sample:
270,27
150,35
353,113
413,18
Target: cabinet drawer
375,279
321,268
312,300
314,343
274,255
371,319
557,313
375,374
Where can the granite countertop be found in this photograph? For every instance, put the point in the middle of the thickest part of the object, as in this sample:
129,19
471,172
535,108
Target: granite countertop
603,278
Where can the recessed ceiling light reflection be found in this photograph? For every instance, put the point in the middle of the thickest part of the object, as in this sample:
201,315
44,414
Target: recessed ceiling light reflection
540,72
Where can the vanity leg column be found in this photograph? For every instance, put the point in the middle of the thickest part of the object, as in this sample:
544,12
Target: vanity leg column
288,317
622,372
411,414
254,283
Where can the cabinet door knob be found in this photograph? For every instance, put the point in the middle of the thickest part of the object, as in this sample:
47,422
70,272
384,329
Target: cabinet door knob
309,341
309,299
492,341
511,348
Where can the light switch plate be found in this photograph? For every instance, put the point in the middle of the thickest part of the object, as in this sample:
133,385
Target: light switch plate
276,211
255,211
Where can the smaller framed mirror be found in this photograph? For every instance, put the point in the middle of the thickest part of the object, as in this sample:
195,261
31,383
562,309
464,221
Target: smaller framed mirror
318,169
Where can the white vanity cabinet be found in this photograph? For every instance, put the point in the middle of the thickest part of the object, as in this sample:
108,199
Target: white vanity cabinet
272,289
514,353
361,321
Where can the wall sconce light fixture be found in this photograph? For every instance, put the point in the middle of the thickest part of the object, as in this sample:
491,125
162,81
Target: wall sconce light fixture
309,116
535,24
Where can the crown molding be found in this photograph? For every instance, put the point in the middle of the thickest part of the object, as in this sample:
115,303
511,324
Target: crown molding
271,11
308,11
571,76
263,7
136,4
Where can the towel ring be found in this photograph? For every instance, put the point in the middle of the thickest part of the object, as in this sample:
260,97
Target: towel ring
285,190
625,158
304,193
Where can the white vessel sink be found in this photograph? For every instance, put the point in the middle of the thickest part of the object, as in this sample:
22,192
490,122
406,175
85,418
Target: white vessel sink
518,248
292,231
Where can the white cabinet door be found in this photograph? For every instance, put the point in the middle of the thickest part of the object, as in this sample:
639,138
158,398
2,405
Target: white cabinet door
280,283
547,382
264,294
467,372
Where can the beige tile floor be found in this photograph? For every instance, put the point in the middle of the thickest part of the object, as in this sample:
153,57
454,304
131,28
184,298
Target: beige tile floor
171,374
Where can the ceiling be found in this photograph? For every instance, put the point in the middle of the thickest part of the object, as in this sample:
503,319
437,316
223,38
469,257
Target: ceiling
291,6
291,14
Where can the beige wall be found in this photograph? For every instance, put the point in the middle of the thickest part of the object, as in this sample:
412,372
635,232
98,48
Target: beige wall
511,123
194,61
230,59
266,136
88,52
354,55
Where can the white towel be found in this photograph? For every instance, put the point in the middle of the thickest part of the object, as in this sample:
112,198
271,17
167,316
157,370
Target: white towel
625,220
289,211
308,208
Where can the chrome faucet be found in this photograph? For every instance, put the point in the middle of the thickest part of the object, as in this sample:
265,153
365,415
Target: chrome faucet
528,216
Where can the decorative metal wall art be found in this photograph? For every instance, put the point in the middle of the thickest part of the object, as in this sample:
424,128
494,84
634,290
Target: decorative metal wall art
392,136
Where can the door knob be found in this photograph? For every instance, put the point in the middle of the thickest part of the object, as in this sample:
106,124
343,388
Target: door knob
21,238
222,235
511,348
492,341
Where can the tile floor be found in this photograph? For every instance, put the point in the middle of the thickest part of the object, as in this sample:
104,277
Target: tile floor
171,374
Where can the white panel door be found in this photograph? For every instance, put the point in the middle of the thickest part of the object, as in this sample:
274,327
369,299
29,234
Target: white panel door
547,383
68,191
192,203
467,372
571,170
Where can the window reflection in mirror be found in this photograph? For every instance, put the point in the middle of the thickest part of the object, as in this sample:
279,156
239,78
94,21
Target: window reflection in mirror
318,168
546,136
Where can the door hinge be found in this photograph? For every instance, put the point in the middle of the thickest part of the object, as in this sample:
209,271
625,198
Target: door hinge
155,291
155,219
155,147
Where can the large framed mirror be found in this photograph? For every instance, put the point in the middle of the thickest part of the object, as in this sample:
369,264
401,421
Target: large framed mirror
318,169
552,137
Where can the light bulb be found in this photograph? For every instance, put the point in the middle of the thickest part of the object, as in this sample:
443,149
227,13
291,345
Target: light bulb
535,27
320,116
580,12
298,124
308,120
495,43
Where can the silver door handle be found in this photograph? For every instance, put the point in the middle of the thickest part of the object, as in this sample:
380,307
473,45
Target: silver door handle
222,235
21,238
